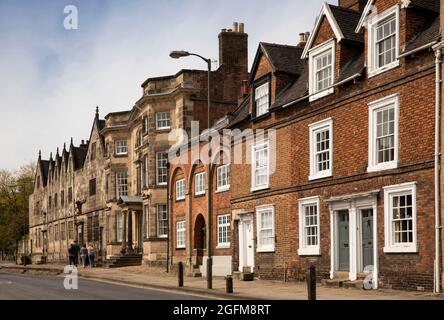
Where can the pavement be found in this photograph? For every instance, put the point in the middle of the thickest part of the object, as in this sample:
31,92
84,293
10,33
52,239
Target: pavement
159,279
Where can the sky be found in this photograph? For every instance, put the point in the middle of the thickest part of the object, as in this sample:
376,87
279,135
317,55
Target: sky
51,78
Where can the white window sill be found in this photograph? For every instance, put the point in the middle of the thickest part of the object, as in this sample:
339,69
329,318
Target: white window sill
180,199
374,73
181,247
162,184
321,175
265,250
383,166
322,94
401,249
165,128
199,193
316,251
162,237
264,187
223,246
121,154
223,189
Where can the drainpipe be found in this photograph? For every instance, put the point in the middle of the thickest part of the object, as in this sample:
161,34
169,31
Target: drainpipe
437,171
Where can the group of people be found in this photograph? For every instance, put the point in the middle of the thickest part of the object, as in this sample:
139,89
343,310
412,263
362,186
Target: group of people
86,252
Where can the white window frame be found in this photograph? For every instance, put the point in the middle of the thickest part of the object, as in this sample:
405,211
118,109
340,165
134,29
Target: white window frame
221,171
119,227
389,192
121,147
181,228
372,58
261,247
265,85
374,107
180,186
313,54
254,149
161,219
224,226
160,119
158,154
315,128
304,249
199,183
119,184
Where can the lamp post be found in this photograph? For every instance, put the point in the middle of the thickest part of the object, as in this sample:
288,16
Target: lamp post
178,55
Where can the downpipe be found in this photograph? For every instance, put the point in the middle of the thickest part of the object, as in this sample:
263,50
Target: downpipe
437,268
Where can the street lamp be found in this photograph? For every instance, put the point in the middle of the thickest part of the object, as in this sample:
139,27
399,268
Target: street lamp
178,55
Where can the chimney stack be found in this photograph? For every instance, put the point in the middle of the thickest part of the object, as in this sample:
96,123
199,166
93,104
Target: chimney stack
233,46
357,5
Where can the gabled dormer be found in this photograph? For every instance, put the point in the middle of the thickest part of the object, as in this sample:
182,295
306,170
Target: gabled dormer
395,29
41,174
274,68
96,145
331,46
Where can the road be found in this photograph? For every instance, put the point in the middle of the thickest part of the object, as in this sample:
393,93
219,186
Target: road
30,287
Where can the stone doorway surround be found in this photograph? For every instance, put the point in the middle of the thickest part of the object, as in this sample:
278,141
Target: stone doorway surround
354,204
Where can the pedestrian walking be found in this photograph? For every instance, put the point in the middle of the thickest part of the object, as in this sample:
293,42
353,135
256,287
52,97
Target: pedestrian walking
84,255
77,251
71,254
91,255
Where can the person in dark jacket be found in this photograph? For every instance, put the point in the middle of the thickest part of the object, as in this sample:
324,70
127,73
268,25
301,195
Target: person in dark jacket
71,254
77,251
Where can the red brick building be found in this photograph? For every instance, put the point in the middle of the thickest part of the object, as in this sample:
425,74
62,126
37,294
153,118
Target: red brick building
343,178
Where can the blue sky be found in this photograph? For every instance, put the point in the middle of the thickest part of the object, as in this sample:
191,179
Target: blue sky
51,79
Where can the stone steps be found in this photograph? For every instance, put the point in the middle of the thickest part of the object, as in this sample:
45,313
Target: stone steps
123,261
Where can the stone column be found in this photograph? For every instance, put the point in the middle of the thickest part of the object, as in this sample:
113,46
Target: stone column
124,232
130,233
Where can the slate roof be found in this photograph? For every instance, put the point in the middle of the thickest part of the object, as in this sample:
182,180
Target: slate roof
355,65
428,34
297,90
283,58
347,20
45,169
241,113
432,5
79,156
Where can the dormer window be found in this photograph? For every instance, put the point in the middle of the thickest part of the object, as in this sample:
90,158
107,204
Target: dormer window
383,42
262,99
322,62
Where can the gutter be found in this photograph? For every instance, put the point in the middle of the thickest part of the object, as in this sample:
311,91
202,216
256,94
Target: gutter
424,47
353,77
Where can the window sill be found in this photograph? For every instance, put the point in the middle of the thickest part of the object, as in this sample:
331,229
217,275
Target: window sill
401,249
222,190
199,195
327,174
122,155
321,94
180,248
309,252
224,246
255,189
386,68
261,117
180,199
163,130
383,167
265,250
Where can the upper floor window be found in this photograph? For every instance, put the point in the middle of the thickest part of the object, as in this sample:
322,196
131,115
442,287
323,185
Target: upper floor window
92,187
62,198
400,218
139,138
161,166
163,121
262,98
145,125
322,62
260,163
383,134
321,149
383,41
200,183
93,151
180,189
70,195
223,178
121,184
121,147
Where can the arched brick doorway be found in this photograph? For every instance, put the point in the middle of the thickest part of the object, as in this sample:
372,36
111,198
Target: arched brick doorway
199,238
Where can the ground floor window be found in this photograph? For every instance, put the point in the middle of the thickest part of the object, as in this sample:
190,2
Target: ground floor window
162,221
180,234
265,229
119,226
223,231
309,225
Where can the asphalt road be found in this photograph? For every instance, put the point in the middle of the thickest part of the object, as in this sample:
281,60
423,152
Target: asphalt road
30,287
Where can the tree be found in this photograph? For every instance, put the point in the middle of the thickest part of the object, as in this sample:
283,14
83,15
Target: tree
15,189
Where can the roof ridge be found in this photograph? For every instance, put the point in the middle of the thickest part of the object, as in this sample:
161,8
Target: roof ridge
345,9
280,45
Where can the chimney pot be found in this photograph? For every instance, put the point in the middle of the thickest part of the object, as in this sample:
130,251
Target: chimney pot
241,27
307,35
224,30
83,141
301,37
229,30
236,27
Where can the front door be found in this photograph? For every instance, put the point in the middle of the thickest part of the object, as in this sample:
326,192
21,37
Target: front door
367,238
343,239
246,245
